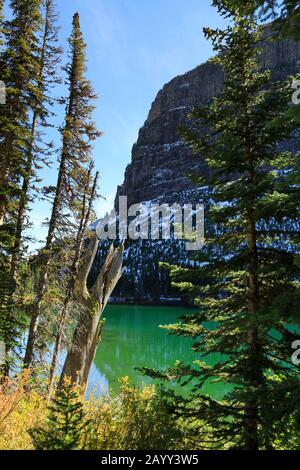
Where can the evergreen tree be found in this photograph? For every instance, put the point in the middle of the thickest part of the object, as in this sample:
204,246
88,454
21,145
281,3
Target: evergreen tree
35,154
78,134
284,13
65,424
83,220
1,23
19,71
49,58
241,332
20,74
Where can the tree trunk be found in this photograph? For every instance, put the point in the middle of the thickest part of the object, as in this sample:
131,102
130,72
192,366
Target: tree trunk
57,346
34,322
29,162
84,220
254,366
92,303
46,258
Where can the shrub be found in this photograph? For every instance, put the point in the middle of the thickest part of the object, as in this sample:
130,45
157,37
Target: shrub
137,419
65,423
20,409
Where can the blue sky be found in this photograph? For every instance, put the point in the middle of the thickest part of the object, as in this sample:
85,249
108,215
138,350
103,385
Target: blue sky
133,48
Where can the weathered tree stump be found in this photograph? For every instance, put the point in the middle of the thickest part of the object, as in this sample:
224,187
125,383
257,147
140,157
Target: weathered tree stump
92,302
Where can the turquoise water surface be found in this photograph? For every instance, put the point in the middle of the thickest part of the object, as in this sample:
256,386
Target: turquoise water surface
132,338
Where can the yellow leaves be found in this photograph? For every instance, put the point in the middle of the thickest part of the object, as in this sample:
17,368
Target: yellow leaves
79,390
147,392
131,420
10,396
19,410
26,299
202,365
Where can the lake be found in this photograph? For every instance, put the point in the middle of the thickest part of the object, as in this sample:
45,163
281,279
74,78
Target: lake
132,338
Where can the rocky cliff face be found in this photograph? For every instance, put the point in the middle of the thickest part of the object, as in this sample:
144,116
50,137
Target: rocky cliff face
160,160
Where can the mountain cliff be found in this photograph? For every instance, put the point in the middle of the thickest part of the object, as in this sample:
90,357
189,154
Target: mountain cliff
160,161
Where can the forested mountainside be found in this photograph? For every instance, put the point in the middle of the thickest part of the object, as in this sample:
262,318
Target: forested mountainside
161,163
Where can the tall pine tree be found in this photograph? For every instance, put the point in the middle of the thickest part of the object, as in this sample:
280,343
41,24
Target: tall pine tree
78,134
20,73
1,23
49,59
252,289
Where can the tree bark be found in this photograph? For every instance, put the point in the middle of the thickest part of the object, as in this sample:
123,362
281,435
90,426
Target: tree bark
43,278
92,303
254,365
73,151
15,261
85,217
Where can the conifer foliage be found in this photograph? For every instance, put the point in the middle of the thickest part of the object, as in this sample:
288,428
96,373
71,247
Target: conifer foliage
30,58
78,135
251,295
1,21
66,422
20,73
285,14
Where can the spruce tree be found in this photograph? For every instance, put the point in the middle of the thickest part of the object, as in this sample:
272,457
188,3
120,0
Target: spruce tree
285,14
78,134
49,59
20,74
241,332
65,424
19,71
1,23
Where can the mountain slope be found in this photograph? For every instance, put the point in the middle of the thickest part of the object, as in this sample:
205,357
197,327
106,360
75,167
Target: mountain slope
161,163
160,160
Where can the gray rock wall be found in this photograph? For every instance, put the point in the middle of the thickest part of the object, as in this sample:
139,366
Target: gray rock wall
160,160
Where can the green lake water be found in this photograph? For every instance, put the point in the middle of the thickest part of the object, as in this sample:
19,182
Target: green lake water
132,338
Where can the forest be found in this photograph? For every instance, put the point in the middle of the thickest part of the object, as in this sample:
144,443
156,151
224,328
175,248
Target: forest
237,332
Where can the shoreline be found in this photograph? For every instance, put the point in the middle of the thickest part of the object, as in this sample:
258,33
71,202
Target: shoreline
166,302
